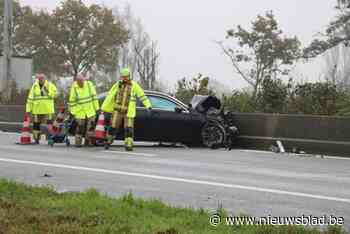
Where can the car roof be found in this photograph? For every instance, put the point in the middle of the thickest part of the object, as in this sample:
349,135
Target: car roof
155,93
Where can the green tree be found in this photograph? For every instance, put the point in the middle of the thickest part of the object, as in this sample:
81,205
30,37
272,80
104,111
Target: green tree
74,34
261,52
336,33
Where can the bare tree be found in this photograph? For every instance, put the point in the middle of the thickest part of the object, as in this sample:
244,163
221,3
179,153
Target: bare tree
141,53
147,65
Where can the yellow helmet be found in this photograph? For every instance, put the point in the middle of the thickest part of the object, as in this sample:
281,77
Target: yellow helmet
125,72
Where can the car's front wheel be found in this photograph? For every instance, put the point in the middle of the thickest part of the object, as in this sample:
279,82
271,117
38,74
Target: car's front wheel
213,135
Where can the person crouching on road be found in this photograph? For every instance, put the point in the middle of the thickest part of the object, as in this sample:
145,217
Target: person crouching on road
83,105
40,103
121,101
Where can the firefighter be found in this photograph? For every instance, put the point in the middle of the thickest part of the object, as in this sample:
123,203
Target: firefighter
83,105
121,101
40,104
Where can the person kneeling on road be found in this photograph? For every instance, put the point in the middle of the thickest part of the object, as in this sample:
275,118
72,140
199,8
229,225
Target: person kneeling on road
40,104
83,105
121,101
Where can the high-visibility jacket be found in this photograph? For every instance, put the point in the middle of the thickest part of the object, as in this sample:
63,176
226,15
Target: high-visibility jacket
114,99
83,102
41,100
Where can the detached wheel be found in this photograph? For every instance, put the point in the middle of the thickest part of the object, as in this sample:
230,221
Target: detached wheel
213,135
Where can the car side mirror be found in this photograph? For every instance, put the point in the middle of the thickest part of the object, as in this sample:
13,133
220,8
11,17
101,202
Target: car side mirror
178,110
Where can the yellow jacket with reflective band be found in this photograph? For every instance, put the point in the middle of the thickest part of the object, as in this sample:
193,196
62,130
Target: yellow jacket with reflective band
83,102
41,101
109,104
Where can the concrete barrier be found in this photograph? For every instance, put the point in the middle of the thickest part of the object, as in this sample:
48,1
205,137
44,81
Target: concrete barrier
11,118
312,134
11,113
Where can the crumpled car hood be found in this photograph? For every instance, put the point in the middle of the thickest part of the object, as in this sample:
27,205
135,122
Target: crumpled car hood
203,103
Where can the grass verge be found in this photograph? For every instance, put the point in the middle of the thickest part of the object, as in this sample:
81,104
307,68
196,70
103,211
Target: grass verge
27,209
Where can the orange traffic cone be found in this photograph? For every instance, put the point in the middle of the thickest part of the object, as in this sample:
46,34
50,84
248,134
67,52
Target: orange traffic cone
25,132
100,132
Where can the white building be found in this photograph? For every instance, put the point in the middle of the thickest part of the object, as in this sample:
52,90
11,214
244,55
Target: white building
21,71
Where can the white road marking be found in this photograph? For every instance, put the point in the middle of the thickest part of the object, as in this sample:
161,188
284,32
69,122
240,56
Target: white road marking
182,180
130,153
335,157
319,156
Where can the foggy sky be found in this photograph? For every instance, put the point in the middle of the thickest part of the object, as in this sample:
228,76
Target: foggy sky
185,30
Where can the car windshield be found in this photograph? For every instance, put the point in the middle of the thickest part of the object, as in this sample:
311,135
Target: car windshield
162,103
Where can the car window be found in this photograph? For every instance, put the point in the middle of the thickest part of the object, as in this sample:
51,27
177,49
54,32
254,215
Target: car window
157,102
162,103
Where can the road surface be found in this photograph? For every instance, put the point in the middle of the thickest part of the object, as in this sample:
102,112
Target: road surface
255,183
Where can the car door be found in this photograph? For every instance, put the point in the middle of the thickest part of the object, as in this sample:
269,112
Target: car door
141,124
166,124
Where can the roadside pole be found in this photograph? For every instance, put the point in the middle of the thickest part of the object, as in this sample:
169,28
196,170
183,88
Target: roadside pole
7,48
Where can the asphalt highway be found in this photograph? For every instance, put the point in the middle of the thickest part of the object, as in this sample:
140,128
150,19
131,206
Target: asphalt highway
258,184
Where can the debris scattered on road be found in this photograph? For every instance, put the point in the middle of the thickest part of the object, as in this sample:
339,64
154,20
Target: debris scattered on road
47,175
274,149
280,147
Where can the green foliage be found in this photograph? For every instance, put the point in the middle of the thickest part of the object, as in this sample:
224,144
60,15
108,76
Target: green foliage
273,96
318,98
74,34
343,105
186,89
239,101
25,209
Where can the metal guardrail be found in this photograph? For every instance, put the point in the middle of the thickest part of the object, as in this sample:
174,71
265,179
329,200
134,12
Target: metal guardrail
312,134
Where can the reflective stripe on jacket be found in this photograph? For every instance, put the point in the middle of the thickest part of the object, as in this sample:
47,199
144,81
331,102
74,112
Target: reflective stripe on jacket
83,102
40,101
110,104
